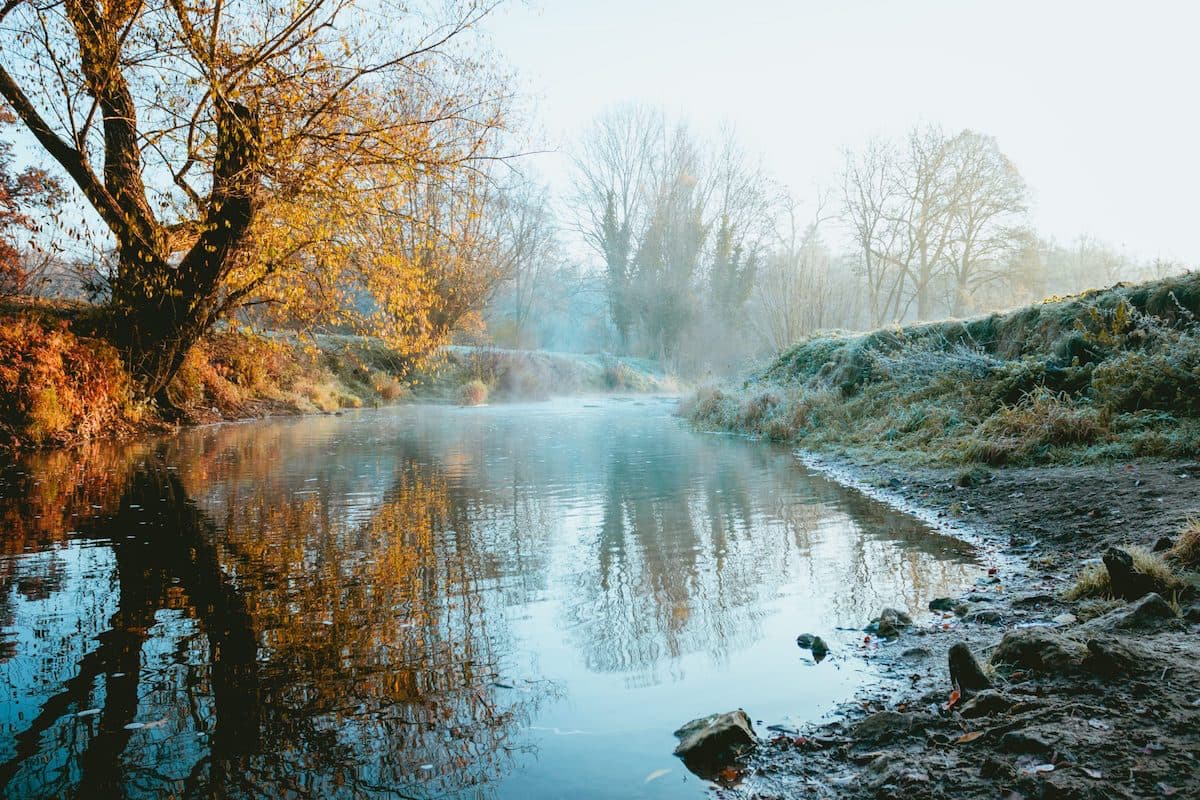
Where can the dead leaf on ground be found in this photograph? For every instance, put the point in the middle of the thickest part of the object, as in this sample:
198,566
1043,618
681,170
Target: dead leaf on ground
970,736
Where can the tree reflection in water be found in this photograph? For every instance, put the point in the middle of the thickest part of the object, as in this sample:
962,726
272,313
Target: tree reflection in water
363,606
287,653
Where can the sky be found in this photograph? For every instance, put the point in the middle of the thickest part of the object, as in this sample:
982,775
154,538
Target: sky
1095,102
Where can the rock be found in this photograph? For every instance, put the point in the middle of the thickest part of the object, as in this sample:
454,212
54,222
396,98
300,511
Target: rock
1111,658
892,774
1163,544
1036,600
916,653
986,616
965,672
889,623
805,641
985,704
1147,612
884,726
1039,650
941,604
819,649
1126,581
1025,742
1192,613
962,609
996,769
710,744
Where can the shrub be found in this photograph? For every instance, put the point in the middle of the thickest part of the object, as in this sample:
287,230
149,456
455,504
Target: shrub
1186,551
57,387
473,393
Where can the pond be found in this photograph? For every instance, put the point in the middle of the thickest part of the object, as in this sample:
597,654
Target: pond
516,601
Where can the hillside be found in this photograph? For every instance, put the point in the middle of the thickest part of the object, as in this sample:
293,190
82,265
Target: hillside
1113,373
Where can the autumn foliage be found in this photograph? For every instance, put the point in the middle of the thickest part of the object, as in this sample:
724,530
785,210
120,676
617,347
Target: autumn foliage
57,387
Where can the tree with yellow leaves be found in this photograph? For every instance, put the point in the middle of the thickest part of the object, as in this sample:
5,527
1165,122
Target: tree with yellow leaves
234,149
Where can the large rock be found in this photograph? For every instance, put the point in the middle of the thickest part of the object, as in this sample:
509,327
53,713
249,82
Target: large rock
710,744
1124,578
1038,650
1146,613
1111,658
965,672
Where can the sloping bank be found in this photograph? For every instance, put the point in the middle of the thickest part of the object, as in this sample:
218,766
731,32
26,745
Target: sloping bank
1072,671
62,383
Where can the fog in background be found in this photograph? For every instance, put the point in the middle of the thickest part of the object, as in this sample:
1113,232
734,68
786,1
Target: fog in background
705,183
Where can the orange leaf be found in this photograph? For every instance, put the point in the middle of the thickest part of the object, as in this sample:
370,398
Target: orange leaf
969,737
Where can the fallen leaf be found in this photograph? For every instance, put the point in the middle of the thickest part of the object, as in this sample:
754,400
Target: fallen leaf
970,736
955,696
1091,773
1167,790
658,773
729,774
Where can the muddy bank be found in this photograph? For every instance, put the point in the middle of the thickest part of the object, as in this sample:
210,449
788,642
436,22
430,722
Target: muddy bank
1090,698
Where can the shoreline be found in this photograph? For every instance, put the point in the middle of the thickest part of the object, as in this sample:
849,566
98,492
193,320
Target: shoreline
1128,727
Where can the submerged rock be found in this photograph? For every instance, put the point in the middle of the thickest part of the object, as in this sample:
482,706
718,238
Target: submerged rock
805,640
965,672
710,744
1038,650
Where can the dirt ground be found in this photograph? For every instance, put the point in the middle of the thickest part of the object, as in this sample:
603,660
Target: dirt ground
1089,699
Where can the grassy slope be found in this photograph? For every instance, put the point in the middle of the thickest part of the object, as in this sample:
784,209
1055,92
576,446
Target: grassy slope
1106,374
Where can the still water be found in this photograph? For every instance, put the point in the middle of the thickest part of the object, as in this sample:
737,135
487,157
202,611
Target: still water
507,602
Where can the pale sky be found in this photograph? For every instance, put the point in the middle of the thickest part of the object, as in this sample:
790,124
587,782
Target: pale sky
1095,102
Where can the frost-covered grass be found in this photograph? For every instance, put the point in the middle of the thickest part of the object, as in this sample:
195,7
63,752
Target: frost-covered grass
1112,374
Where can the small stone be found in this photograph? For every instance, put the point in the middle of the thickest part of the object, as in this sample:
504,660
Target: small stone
1163,544
1192,613
1036,600
962,609
1025,742
884,726
819,648
805,641
941,604
965,672
986,616
889,623
985,704
916,653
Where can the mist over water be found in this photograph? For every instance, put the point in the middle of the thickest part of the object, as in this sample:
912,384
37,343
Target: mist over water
518,601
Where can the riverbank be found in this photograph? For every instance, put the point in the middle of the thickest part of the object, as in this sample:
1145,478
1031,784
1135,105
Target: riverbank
61,383
1089,697
1102,376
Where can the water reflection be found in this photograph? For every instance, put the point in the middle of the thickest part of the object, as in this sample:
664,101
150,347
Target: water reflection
424,602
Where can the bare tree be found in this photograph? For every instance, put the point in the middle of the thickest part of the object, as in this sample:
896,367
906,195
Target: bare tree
986,218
